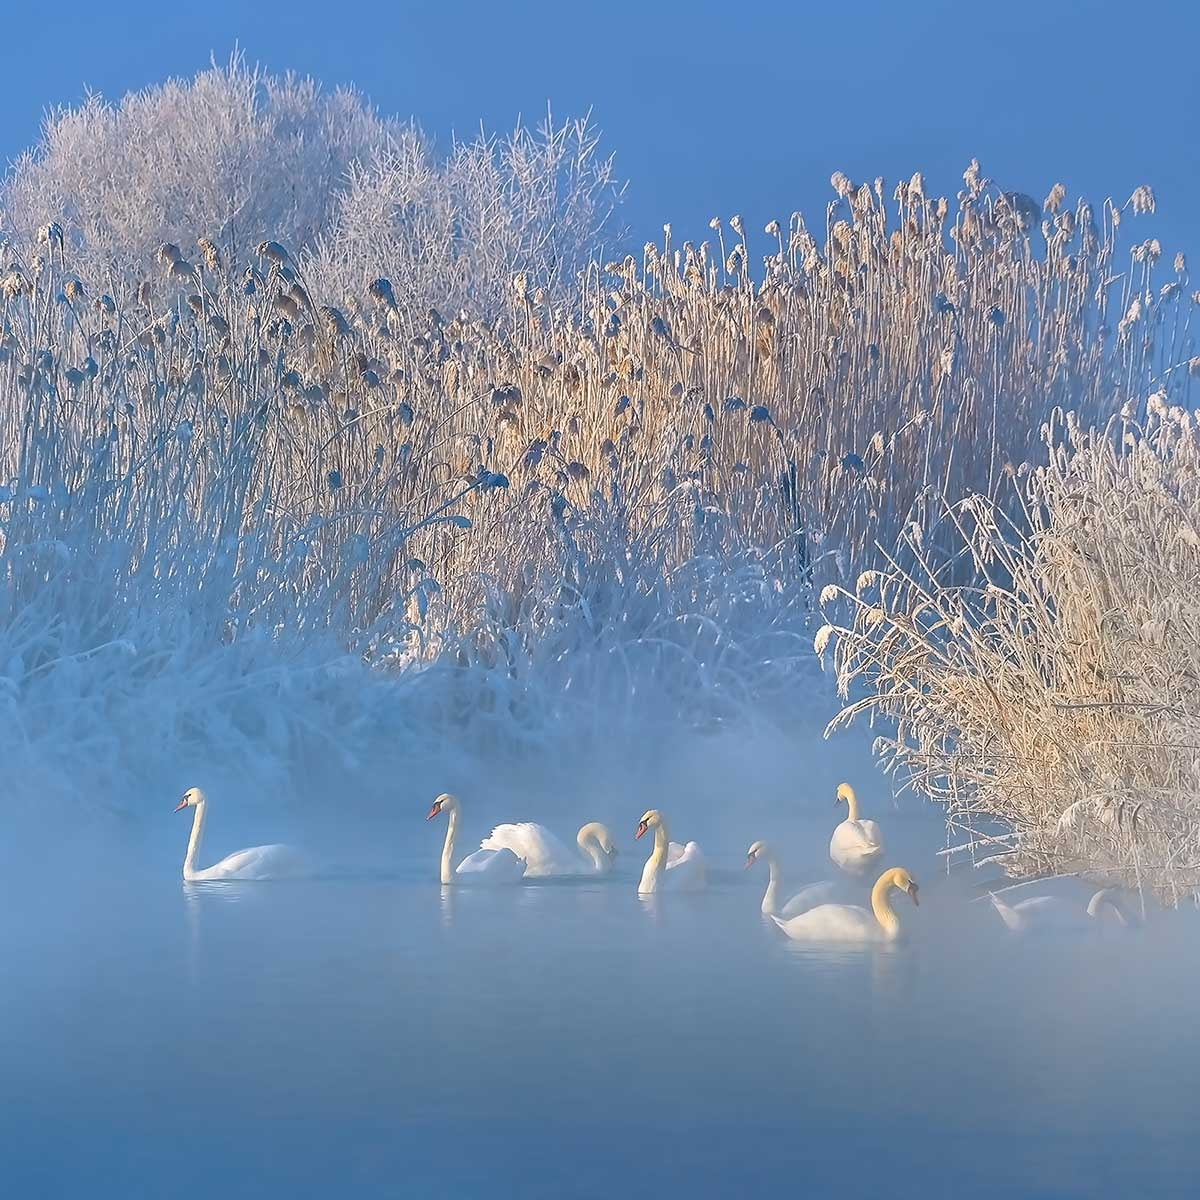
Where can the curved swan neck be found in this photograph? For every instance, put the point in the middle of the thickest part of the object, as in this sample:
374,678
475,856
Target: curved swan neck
1102,897
846,792
591,839
448,844
197,836
881,903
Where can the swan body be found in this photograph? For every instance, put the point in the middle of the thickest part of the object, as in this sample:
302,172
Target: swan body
482,867
849,922
1054,914
546,855
806,898
670,867
856,845
256,863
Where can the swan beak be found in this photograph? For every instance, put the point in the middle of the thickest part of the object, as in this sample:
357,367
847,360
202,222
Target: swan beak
750,860
433,812
181,804
912,895
641,829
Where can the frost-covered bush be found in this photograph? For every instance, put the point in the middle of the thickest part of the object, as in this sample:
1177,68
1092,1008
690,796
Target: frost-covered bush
1053,704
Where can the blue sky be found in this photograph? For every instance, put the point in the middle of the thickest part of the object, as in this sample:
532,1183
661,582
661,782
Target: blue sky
711,108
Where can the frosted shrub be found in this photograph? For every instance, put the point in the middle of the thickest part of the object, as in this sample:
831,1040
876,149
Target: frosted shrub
1053,704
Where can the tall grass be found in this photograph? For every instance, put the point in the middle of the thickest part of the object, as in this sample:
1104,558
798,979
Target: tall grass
1053,703
230,485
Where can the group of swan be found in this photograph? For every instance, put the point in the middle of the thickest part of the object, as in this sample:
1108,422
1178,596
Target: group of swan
526,850
810,915
521,851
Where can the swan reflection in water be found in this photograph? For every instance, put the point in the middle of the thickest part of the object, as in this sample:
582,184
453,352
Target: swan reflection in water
195,897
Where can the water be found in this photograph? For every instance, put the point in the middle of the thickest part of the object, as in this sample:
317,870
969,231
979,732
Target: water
386,1037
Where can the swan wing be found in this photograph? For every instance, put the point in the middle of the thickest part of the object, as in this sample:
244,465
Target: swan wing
856,845
675,852
544,854
276,861
491,866
809,897
1007,913
871,833
832,923
687,871
1048,914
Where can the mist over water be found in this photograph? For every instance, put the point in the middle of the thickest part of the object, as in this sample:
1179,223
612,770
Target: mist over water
372,1032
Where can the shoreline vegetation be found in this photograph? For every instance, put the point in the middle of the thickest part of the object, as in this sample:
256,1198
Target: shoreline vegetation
268,456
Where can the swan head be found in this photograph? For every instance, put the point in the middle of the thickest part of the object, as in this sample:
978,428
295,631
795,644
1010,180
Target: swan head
845,794
444,803
757,851
906,883
651,819
191,798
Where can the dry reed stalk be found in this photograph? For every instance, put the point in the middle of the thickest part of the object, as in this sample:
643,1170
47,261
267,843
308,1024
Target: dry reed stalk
1053,703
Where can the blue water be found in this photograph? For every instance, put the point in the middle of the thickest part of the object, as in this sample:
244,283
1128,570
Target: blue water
384,1037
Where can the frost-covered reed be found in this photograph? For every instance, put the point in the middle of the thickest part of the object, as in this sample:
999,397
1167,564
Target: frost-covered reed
241,470
1052,703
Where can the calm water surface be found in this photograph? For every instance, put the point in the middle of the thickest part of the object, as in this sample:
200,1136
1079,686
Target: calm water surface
382,1037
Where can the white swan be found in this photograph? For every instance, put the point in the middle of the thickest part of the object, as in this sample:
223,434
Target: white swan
259,862
856,846
484,866
806,898
670,866
849,922
545,855
1054,914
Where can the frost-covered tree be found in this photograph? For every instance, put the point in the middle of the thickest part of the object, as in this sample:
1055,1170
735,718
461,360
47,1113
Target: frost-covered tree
238,156
234,154
459,230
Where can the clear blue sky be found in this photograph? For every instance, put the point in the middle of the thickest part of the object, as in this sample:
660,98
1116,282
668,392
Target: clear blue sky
711,108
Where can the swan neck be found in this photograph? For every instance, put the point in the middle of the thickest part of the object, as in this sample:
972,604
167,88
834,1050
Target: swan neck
658,857
448,846
1099,900
770,901
662,840
851,805
589,842
881,905
193,846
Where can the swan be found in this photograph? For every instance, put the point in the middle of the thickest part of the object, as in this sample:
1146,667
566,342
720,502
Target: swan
670,865
806,898
545,855
259,862
856,845
849,922
1054,914
484,866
